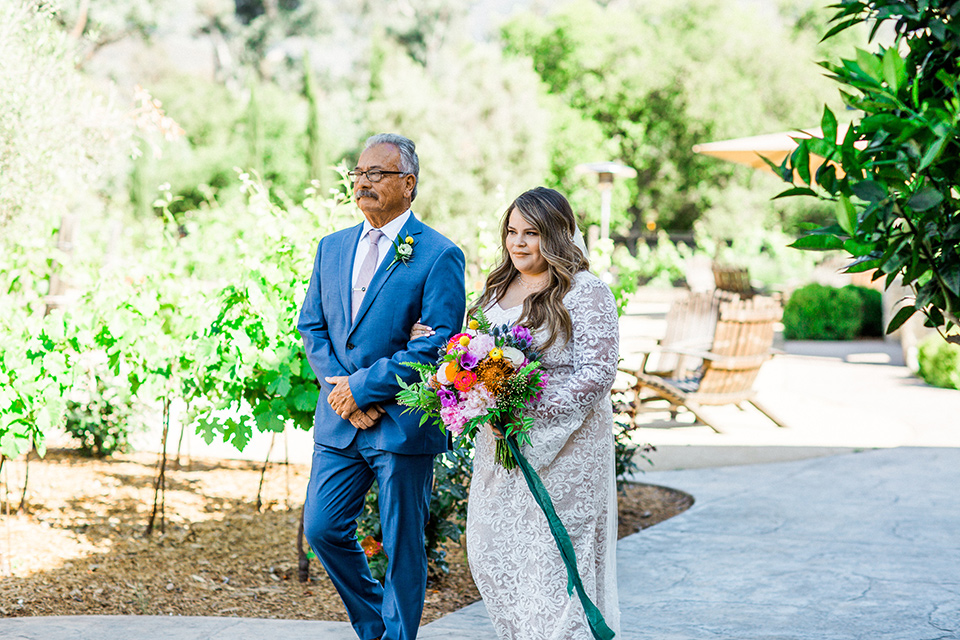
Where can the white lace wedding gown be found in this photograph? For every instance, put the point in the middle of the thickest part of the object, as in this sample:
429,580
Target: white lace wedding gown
513,557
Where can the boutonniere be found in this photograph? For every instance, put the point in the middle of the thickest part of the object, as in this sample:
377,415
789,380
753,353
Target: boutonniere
402,250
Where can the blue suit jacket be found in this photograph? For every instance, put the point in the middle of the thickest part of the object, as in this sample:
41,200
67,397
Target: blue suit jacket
371,349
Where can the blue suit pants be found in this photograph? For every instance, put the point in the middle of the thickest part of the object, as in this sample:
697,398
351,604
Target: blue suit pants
339,481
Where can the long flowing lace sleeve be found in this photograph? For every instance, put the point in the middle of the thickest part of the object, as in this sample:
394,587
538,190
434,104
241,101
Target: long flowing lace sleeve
595,346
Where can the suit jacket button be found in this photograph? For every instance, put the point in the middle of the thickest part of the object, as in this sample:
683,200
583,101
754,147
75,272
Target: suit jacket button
349,345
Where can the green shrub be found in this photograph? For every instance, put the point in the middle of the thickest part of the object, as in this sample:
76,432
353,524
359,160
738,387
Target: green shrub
872,310
939,362
819,312
100,420
665,263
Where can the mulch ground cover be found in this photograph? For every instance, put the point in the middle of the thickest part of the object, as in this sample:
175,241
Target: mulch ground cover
78,546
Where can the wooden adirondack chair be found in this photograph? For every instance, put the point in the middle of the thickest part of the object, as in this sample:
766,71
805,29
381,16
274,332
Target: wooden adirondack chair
733,279
691,324
742,342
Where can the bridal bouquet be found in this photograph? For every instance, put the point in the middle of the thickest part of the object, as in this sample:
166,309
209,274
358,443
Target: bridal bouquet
486,374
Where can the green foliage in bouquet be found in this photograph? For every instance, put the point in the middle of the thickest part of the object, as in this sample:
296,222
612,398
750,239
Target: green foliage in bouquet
420,395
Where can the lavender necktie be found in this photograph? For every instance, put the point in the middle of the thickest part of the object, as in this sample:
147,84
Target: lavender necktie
366,270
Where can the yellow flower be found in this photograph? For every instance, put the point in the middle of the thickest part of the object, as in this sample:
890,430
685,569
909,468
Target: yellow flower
464,341
408,240
496,354
473,324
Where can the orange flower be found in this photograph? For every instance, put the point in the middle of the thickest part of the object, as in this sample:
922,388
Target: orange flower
371,546
493,373
451,371
465,380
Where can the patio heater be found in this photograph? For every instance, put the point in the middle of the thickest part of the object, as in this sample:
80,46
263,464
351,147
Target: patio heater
606,172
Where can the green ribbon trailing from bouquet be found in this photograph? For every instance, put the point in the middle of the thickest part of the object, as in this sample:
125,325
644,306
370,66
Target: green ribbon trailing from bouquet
598,626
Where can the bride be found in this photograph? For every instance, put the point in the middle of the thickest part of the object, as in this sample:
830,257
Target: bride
542,282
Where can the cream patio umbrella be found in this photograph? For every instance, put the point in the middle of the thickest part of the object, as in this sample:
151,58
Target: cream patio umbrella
774,146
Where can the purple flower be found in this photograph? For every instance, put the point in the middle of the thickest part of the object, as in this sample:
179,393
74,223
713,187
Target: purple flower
468,361
447,398
522,336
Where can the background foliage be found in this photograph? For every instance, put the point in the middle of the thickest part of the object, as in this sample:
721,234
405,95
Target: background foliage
821,312
939,362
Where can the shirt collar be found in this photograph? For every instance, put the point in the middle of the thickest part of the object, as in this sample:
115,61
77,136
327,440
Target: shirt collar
391,229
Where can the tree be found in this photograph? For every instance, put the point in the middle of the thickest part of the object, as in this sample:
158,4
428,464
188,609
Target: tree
317,153
659,77
57,134
59,141
94,25
895,174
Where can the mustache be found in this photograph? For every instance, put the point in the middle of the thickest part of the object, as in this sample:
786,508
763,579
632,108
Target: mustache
366,193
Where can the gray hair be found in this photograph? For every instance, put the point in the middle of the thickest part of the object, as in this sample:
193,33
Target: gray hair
409,162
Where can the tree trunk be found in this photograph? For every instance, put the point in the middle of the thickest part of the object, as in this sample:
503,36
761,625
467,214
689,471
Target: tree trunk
6,520
263,472
160,486
65,241
26,478
81,25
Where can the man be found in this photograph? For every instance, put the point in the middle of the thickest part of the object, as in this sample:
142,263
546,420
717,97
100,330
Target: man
370,284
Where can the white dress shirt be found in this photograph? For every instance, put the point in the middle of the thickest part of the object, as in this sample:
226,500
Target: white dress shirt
390,232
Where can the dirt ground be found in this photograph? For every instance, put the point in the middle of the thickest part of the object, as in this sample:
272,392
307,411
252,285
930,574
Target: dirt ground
78,547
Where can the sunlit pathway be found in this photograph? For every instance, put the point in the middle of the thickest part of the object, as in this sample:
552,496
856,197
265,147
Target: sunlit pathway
849,546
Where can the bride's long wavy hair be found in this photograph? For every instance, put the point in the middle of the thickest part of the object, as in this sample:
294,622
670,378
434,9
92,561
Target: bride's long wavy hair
550,214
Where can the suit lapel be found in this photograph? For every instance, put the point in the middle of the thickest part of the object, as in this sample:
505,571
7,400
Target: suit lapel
412,228
348,254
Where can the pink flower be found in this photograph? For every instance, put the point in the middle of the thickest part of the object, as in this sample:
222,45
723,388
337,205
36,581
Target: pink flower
481,345
477,401
454,342
453,419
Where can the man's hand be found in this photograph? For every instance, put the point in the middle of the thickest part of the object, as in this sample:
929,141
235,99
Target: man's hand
366,419
341,398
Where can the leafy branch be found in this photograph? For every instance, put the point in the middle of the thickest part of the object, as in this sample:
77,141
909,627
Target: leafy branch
894,176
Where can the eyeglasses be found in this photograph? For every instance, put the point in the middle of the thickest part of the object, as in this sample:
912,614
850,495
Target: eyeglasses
373,175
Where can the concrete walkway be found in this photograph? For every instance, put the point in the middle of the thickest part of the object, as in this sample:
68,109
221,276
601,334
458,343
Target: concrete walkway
844,547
